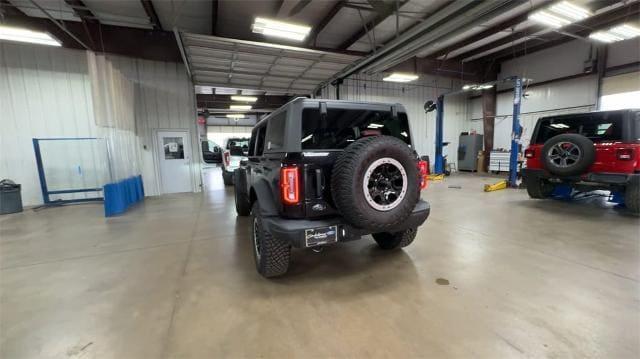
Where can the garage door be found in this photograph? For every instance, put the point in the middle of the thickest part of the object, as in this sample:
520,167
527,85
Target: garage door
223,62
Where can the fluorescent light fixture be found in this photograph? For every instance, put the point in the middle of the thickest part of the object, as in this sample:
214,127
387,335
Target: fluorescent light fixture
375,125
24,35
549,19
571,11
477,87
240,107
236,115
625,31
400,77
281,29
559,125
605,37
244,98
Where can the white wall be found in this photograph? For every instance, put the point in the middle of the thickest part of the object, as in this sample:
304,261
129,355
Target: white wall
570,96
577,94
552,63
164,100
623,52
413,96
45,92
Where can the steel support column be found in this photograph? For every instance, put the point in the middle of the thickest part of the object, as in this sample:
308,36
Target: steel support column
489,99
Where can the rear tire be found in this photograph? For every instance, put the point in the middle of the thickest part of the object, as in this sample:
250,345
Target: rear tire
632,197
538,188
227,178
271,255
243,203
243,206
388,241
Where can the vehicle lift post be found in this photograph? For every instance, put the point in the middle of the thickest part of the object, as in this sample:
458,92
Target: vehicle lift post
516,132
438,167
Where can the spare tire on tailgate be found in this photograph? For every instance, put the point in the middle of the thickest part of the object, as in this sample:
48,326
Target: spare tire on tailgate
374,183
568,154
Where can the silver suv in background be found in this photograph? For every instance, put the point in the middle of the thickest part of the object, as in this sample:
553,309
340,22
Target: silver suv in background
235,150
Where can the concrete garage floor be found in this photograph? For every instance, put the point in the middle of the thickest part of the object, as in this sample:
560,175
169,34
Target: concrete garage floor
491,275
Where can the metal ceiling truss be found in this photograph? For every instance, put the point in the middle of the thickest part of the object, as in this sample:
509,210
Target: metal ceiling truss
222,62
453,19
533,32
581,30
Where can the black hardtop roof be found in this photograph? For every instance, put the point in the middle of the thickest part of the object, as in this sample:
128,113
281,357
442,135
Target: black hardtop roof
580,114
305,101
341,102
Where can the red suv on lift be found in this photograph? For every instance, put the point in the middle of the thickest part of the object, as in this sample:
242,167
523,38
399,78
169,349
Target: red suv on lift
586,152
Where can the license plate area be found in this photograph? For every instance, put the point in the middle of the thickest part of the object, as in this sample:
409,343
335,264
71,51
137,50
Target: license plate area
319,236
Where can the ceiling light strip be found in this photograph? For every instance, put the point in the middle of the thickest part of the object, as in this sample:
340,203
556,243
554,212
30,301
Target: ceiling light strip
400,77
570,10
25,35
280,29
549,19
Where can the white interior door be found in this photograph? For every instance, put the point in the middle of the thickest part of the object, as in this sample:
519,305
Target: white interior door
174,157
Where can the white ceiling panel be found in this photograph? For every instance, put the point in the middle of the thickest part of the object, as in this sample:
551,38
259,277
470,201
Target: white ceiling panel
192,16
120,13
216,61
412,12
346,22
58,9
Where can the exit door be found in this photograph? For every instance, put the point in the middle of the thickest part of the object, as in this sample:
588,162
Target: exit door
175,161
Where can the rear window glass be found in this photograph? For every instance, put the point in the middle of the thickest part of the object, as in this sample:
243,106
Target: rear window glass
341,127
275,131
599,127
240,142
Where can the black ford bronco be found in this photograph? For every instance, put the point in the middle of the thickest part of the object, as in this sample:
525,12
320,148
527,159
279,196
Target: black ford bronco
325,171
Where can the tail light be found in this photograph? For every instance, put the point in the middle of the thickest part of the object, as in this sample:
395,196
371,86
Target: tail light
225,157
423,168
290,185
529,153
624,154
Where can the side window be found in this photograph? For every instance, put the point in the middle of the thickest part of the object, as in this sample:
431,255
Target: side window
275,131
260,140
637,132
252,142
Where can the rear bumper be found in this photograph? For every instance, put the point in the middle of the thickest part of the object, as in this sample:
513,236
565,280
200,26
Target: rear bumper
600,177
293,230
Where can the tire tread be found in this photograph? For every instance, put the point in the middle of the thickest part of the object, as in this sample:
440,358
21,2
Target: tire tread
388,241
275,255
632,198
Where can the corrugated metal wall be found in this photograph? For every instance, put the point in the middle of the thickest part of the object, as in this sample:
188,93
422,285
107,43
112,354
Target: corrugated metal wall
165,100
413,96
45,92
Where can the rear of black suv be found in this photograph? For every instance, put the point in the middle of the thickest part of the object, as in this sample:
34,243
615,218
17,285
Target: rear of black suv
321,172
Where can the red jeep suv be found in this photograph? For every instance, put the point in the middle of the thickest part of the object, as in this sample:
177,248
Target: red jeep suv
586,152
